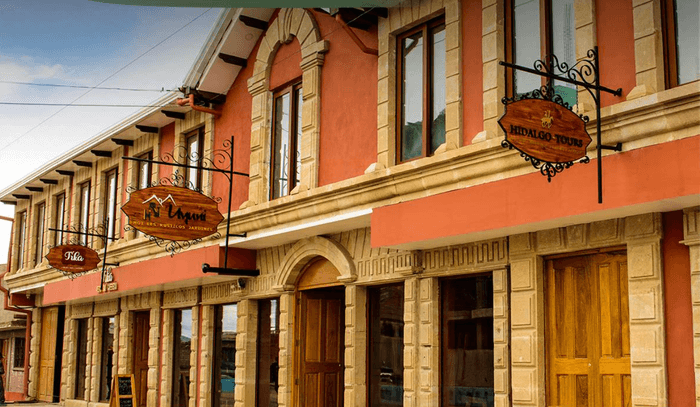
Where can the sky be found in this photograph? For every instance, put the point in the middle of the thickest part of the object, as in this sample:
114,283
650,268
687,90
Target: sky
83,43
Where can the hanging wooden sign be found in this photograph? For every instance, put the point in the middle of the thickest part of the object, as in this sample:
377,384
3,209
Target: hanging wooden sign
545,130
173,213
73,258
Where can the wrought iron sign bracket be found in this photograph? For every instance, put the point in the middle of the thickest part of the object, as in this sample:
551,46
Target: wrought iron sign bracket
222,157
584,73
105,239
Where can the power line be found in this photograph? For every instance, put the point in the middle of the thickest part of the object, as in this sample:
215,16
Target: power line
103,81
86,87
74,105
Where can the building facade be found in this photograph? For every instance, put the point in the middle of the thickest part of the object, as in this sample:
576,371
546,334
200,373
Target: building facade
405,257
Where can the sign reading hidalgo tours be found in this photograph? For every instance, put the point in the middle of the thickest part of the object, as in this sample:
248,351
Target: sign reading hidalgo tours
545,130
73,258
172,213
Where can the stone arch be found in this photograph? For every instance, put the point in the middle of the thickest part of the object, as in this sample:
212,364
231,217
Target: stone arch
298,23
307,249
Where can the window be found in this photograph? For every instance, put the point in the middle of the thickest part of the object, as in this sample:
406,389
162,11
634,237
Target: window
182,346
110,208
107,355
18,357
81,359
143,179
194,154
59,219
268,352
21,235
525,45
681,41
385,345
467,342
83,216
224,379
286,143
422,96
39,242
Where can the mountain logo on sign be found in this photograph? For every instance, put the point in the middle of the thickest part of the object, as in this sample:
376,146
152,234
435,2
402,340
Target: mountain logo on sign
161,201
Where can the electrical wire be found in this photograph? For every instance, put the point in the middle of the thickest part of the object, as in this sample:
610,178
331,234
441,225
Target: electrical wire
86,87
74,105
101,82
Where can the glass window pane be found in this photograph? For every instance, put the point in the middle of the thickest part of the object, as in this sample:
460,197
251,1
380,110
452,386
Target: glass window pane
84,210
18,356
437,125
688,40
299,103
412,97
181,357
144,174
268,353
22,234
467,342
280,153
107,357
225,365
193,156
40,216
386,345
564,44
60,209
526,43
81,359
111,202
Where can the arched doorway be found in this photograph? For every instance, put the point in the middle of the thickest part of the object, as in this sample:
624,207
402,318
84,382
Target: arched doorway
320,331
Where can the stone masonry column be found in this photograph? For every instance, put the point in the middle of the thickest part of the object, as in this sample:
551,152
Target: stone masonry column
691,234
286,374
527,322
166,370
648,48
203,381
355,346
501,334
34,351
246,353
194,352
410,343
429,342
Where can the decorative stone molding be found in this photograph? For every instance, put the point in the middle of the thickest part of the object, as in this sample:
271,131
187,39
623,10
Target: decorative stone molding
648,48
106,308
222,293
80,310
194,351
586,39
34,354
401,18
286,338
484,255
304,250
202,379
298,23
691,235
493,50
410,340
181,298
501,339
641,235
429,342
166,369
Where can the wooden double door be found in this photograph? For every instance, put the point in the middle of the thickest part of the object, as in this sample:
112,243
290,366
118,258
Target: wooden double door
51,347
320,334
588,345
140,361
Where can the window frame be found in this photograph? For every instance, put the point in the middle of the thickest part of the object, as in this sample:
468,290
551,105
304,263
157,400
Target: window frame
18,358
293,89
193,158
84,208
427,86
59,218
81,369
266,323
39,235
105,368
110,194
21,238
670,45
140,166
218,350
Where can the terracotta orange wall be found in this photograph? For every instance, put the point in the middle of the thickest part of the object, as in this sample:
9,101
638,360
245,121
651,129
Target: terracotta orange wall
167,144
629,178
235,121
348,103
615,32
286,65
679,313
472,71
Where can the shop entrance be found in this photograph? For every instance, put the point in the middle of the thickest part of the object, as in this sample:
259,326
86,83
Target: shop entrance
49,387
140,362
588,339
320,333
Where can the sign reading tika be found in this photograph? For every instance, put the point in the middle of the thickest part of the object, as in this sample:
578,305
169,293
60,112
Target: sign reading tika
172,213
73,258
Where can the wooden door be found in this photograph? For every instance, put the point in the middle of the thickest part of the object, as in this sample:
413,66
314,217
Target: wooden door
47,358
588,348
140,367
321,348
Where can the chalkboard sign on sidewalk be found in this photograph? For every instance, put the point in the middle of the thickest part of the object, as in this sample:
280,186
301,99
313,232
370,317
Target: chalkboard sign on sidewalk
123,394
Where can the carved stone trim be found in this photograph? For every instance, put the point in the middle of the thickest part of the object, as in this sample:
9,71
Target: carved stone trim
222,293
181,298
106,308
81,310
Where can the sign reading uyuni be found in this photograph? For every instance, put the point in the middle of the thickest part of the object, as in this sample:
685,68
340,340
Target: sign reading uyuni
545,130
73,258
172,213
